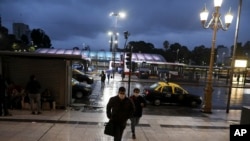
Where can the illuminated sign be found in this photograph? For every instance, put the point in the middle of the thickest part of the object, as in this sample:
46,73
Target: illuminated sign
240,63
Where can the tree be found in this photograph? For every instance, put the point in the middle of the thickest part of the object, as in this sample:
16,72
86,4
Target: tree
4,40
184,55
166,44
201,55
172,54
40,39
141,46
25,39
76,48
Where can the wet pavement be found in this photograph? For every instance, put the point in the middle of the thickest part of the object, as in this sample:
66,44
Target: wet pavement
75,125
240,93
85,121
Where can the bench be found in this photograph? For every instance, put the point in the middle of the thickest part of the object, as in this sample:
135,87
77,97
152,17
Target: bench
45,106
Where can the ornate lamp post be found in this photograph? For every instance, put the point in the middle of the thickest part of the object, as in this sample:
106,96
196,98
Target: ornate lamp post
215,23
115,42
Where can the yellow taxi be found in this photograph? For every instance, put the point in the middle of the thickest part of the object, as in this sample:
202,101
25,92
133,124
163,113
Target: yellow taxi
168,92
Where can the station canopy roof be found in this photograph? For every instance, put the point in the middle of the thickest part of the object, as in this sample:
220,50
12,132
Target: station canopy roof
104,55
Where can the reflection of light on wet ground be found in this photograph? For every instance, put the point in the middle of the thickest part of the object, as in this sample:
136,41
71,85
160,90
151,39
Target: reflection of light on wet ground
241,80
236,96
246,91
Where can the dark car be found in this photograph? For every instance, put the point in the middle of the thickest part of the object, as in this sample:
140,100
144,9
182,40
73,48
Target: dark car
80,90
82,77
167,92
142,73
78,66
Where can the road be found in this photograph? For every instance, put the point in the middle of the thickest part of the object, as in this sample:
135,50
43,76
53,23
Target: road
99,97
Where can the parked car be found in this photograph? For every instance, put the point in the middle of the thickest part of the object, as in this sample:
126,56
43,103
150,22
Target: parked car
80,90
167,92
247,80
142,73
78,66
82,77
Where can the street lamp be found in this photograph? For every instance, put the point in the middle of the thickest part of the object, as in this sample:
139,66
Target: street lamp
115,42
215,23
233,56
128,58
177,55
223,59
126,35
111,40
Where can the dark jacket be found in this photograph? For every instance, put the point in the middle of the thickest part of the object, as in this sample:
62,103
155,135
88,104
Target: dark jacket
103,77
2,88
137,102
33,87
119,110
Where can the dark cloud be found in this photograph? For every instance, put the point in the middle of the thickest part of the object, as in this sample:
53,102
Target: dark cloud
72,23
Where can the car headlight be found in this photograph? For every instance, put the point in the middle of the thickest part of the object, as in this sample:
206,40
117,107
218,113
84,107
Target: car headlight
200,98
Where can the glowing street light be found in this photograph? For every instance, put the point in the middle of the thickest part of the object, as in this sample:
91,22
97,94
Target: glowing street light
115,42
215,23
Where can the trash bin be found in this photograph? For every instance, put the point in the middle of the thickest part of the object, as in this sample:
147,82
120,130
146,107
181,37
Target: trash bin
245,115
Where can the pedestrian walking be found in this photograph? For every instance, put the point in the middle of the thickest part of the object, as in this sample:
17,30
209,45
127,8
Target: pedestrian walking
238,78
103,77
139,103
3,98
119,109
108,75
123,75
33,89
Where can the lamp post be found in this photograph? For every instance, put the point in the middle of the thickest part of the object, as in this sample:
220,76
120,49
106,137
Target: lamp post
177,55
215,23
115,42
223,59
126,35
233,57
111,40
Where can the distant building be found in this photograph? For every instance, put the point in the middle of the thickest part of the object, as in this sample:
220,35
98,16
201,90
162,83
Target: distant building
20,29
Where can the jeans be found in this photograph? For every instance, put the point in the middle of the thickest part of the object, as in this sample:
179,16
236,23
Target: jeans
102,84
134,122
35,98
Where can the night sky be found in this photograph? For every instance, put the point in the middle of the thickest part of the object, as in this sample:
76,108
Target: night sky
71,23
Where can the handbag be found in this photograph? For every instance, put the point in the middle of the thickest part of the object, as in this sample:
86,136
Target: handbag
109,128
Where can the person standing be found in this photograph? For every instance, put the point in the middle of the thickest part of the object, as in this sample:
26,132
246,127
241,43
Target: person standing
139,103
3,98
123,75
238,79
119,109
103,77
108,75
33,89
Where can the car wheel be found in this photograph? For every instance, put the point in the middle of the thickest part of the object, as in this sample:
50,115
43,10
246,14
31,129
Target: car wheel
79,95
193,103
157,102
90,82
